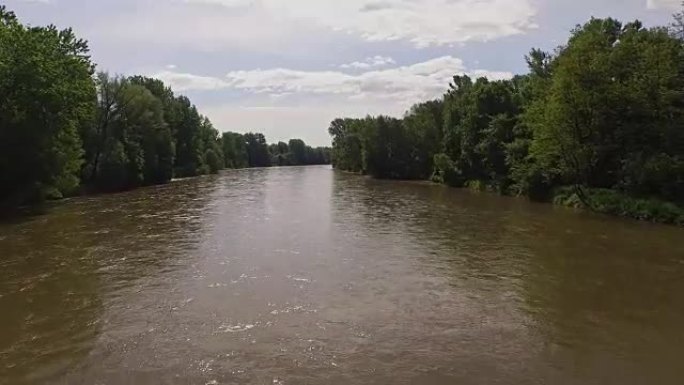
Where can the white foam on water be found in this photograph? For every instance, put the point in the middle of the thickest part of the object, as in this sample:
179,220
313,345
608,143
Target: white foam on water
299,279
293,309
239,328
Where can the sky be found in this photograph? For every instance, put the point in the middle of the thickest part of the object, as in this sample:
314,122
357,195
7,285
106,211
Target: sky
287,68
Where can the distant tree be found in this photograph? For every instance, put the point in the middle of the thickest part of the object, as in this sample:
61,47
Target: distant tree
298,154
424,126
257,150
188,140
347,151
386,149
211,148
234,150
677,26
280,155
283,148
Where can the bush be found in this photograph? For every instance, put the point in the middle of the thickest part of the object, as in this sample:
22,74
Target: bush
616,203
446,172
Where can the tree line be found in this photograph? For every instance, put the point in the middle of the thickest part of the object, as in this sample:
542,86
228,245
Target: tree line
65,128
597,123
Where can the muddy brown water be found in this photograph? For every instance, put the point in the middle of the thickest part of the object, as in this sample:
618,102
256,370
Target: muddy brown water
310,276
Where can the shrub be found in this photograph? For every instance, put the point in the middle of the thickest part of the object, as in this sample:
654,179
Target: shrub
617,203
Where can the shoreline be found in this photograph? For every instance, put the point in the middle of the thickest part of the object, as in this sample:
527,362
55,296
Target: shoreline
607,202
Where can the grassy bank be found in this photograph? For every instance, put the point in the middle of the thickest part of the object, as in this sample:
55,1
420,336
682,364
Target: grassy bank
618,204
603,201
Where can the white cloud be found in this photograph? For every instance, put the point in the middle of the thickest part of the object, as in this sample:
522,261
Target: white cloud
664,4
224,3
404,85
182,82
370,62
258,24
194,26
422,22
285,103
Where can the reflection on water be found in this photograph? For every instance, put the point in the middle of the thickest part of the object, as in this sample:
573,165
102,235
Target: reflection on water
61,273
307,276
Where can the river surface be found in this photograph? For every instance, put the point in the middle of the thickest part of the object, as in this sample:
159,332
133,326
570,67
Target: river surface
310,276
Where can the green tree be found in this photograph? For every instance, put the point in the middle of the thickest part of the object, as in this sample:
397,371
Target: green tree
386,149
572,136
677,26
298,155
213,161
424,126
347,152
257,150
147,135
527,175
280,154
210,147
612,115
234,150
131,144
188,139
46,97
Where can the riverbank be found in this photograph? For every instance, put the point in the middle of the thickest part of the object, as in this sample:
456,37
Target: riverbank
602,201
106,133
614,203
10,212
560,124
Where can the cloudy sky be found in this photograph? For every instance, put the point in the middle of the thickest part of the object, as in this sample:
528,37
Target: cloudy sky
288,67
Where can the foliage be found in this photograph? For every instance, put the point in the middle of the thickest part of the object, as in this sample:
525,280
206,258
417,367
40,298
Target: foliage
61,127
446,171
257,150
297,153
347,152
615,203
234,150
131,144
213,161
46,96
603,113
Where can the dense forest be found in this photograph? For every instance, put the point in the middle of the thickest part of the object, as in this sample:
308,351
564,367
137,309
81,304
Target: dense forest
65,129
597,123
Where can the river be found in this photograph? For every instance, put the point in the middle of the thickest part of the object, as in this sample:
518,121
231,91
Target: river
310,276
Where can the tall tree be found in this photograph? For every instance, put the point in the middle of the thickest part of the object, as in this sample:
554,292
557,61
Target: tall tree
297,151
188,140
257,150
234,150
677,25
46,97
134,145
